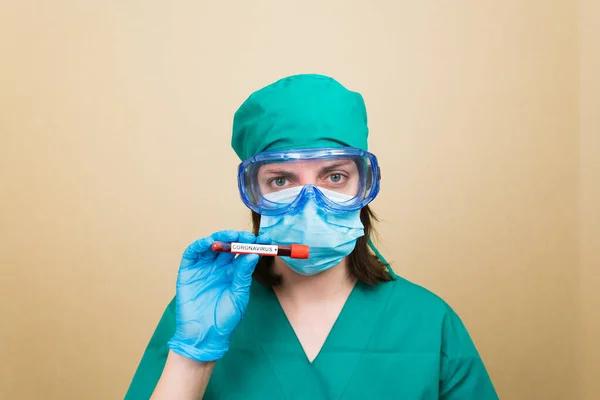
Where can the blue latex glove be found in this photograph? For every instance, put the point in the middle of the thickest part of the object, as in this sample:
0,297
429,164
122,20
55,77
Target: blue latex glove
213,290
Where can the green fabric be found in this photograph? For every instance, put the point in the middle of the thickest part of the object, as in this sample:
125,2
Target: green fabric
154,358
300,111
394,341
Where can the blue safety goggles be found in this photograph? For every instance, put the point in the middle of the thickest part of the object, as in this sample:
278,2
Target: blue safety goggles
339,180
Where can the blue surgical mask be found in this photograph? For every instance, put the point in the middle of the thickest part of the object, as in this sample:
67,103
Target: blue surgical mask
331,237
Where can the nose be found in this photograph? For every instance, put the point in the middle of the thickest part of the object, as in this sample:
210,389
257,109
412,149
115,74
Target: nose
306,178
309,208
308,192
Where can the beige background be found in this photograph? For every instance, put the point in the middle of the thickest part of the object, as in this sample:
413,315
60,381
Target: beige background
115,123
589,212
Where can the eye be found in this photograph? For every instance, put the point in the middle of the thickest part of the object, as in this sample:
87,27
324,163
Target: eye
279,181
335,178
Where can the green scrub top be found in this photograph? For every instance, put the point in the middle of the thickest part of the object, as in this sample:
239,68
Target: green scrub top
392,341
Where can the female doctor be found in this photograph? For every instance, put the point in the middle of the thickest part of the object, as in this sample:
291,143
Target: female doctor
338,325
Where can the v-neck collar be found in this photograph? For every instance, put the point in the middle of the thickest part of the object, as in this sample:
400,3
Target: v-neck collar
329,334
334,365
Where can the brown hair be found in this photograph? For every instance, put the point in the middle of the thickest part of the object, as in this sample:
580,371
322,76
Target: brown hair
363,264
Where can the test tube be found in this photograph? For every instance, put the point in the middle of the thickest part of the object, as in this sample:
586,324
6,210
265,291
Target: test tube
292,251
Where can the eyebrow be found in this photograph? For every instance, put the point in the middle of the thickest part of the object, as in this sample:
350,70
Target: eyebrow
280,172
336,166
331,167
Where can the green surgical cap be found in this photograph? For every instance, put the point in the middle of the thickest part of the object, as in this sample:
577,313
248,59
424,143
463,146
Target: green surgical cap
300,111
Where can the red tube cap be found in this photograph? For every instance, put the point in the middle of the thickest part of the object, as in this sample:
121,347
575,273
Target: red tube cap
299,251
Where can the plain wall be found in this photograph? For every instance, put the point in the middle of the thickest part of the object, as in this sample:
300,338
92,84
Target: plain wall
589,99
115,122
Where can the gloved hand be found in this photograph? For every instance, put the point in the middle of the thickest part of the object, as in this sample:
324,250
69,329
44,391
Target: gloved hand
213,290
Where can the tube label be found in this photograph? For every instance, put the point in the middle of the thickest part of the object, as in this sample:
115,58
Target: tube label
247,248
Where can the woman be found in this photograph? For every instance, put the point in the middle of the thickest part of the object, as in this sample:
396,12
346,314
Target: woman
338,325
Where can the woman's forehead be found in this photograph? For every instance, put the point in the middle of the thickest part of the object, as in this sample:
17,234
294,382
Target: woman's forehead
307,165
